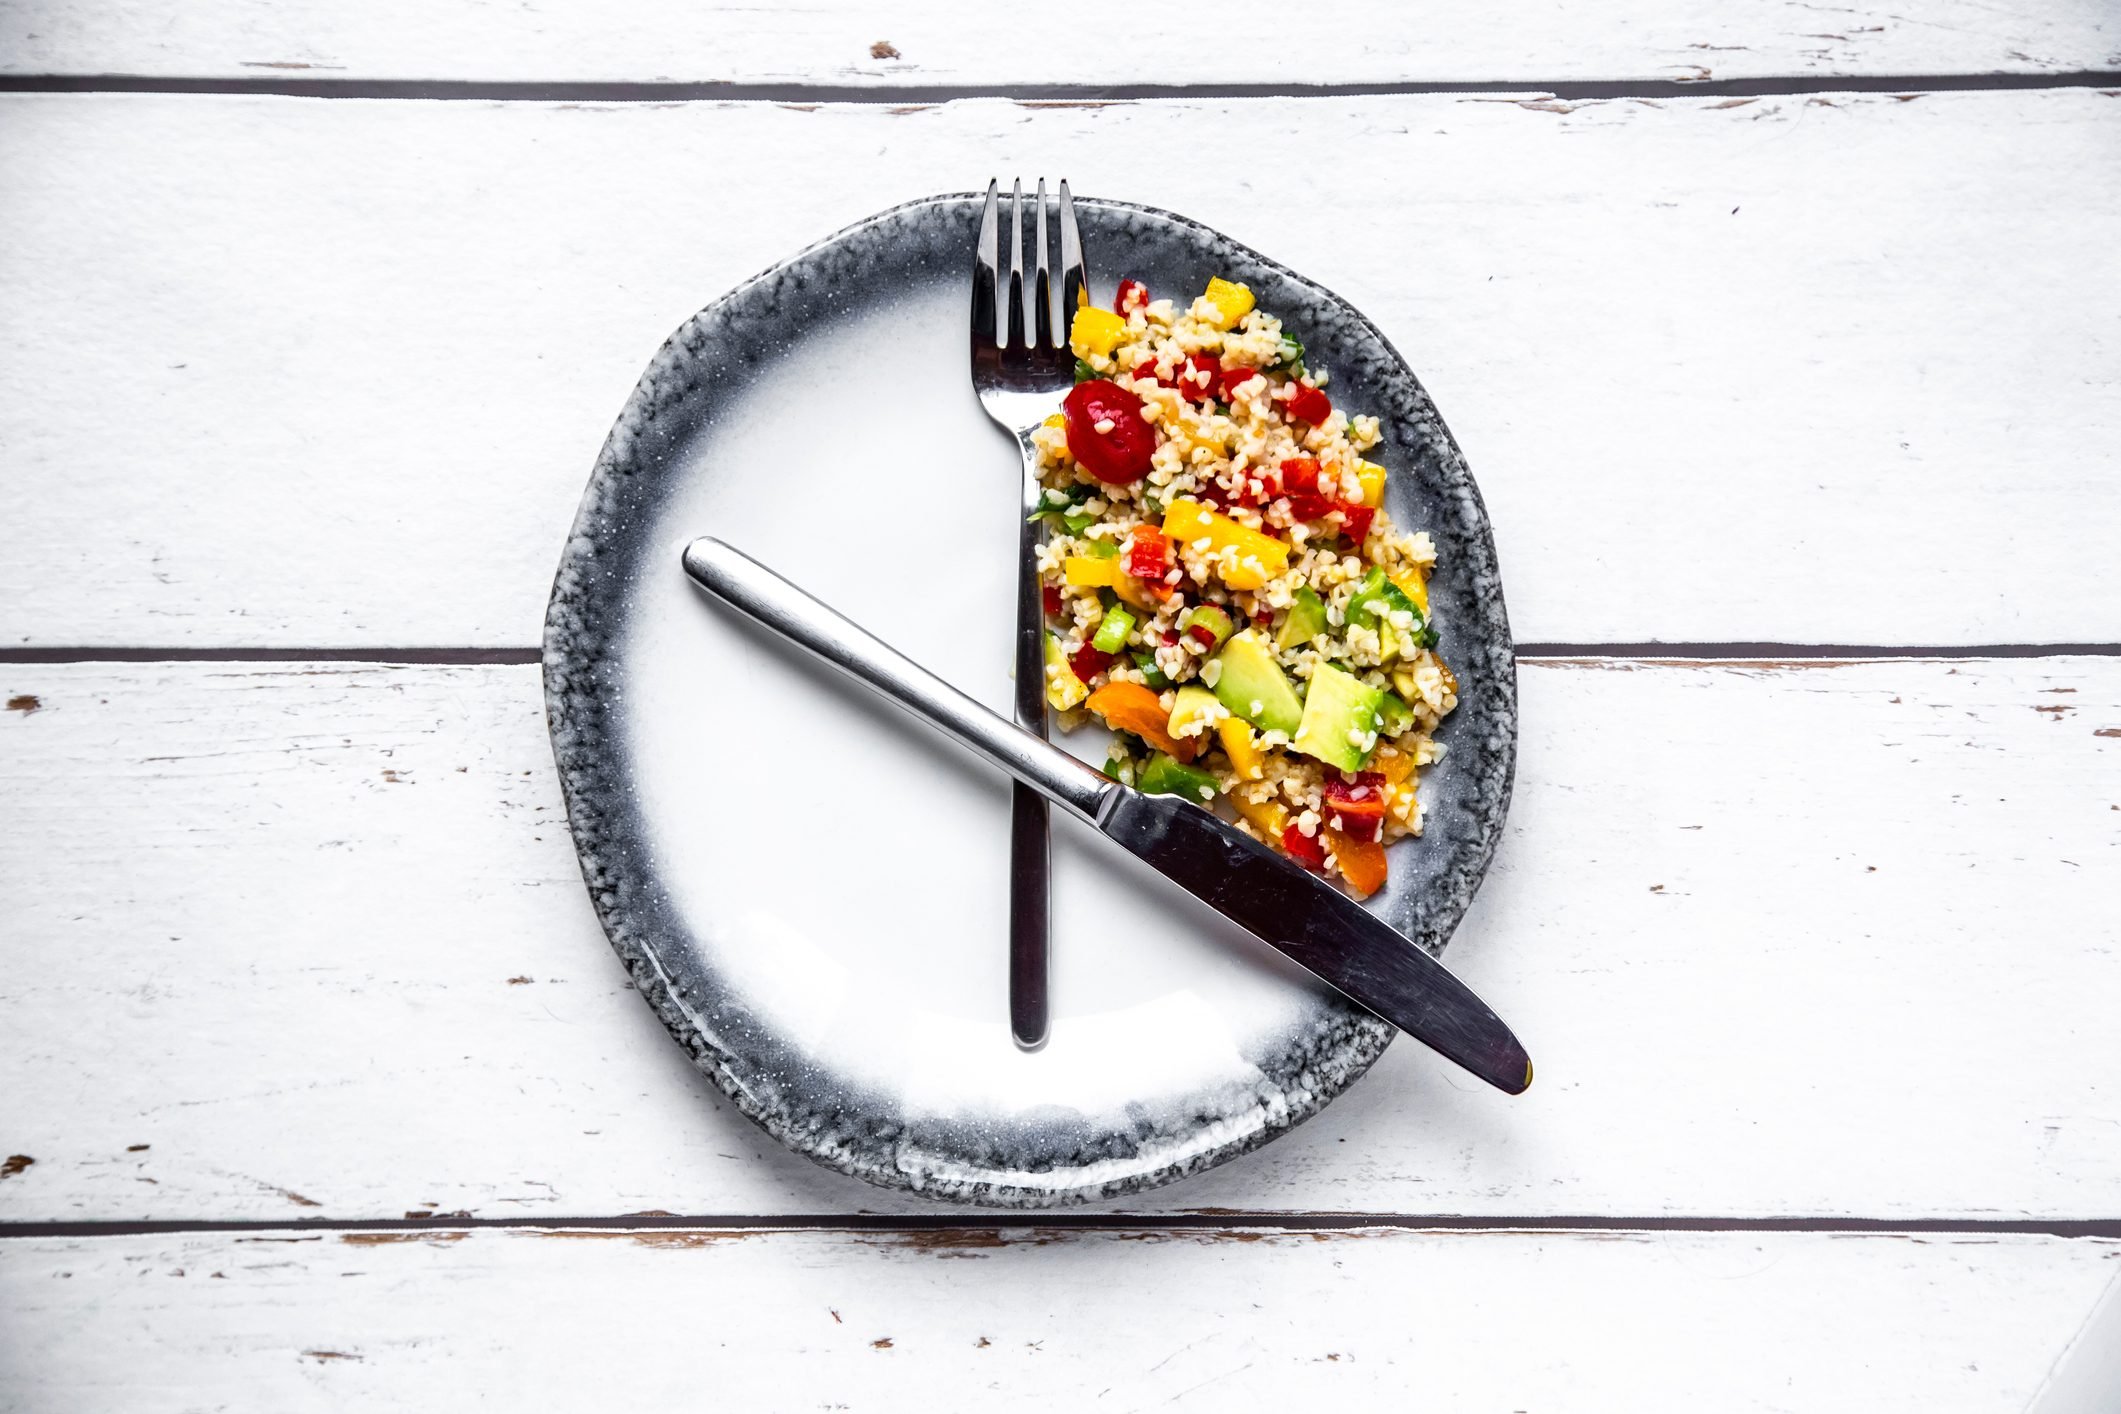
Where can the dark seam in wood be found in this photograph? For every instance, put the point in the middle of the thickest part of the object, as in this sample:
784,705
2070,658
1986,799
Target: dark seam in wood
441,656
570,91
1781,652
1679,652
975,1229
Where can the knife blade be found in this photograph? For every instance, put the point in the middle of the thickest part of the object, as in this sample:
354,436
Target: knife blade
1294,912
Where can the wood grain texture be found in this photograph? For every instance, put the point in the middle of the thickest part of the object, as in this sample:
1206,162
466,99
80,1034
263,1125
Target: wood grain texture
1104,42
1825,940
1038,1320
1799,370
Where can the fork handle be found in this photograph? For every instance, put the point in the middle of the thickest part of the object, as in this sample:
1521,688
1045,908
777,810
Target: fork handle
1030,861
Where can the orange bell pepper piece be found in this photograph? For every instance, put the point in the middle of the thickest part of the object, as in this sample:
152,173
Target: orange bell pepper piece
1130,707
1362,862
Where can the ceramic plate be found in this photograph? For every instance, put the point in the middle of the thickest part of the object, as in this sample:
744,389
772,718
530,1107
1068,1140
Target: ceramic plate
810,887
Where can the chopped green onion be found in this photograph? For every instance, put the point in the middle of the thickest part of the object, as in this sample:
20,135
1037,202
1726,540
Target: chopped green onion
1120,764
1113,633
1212,620
1164,776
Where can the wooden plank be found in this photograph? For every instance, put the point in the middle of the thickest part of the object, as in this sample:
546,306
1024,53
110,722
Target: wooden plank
1794,370
309,940
1105,43
1041,1319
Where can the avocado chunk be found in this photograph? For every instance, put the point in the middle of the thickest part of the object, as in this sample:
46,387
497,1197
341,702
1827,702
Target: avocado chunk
1164,776
1306,621
1253,686
1194,707
1377,603
1393,715
1340,718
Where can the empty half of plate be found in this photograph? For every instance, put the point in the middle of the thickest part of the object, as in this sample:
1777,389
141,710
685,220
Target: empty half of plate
810,887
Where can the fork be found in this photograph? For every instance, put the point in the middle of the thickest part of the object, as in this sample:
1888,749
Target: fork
1016,377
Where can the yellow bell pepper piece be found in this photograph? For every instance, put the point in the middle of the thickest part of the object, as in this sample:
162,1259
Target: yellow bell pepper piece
1056,420
1372,477
1269,817
1095,331
1394,765
1063,688
1232,301
1415,585
1259,557
1085,572
1238,745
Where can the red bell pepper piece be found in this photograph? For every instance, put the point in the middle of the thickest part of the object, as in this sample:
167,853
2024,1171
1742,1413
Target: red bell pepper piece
1356,809
1359,518
1308,505
1307,850
1050,595
1088,662
1299,474
1308,404
1131,293
1149,556
1199,378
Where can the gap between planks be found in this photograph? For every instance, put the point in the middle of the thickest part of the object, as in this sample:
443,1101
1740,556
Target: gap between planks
975,1229
1823,653
563,91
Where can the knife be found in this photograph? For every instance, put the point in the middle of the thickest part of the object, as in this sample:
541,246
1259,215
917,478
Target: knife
1297,913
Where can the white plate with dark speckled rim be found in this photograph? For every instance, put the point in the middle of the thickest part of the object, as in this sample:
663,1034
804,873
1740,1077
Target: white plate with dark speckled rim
811,888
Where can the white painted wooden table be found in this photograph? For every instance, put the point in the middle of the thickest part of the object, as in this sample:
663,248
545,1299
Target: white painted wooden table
1785,340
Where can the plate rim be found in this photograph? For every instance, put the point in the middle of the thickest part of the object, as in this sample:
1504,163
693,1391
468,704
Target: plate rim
1354,1045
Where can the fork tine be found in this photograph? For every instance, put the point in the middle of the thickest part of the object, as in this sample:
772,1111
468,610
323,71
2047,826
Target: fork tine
1015,338
1042,287
1075,280
986,260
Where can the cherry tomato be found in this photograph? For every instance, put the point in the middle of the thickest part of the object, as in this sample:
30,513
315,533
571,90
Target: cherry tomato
1121,452
1050,595
1299,474
1307,850
1308,404
1308,505
1233,378
1131,293
1359,518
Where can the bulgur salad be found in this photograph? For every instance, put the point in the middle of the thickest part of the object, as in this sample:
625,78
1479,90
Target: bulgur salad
1223,588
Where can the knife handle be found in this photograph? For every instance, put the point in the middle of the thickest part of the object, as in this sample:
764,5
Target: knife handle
745,584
